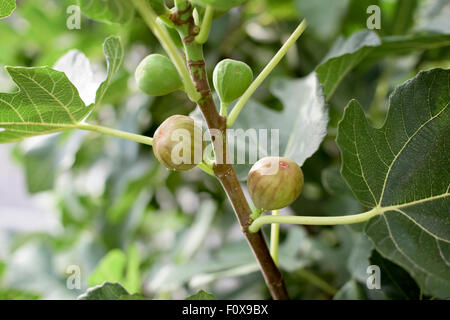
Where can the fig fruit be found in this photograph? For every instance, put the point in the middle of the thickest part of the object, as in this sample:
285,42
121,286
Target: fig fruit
274,182
157,76
231,78
178,143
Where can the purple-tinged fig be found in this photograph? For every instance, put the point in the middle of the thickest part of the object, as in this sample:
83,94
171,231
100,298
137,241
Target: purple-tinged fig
274,183
178,143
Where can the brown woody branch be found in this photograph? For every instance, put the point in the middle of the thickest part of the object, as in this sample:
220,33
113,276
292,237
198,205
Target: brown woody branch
225,171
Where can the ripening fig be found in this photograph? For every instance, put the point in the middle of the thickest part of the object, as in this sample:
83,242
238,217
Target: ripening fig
274,182
231,78
178,143
157,76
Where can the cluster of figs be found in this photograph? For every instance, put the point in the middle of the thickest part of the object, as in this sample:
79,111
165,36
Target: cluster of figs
273,182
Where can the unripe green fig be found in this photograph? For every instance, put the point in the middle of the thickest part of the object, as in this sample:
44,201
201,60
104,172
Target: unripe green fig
178,143
274,182
231,78
157,76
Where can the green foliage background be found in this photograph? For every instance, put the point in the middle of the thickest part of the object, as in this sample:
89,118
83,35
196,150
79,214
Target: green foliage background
124,218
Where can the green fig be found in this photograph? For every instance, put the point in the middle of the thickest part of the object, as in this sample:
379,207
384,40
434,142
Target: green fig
274,183
178,143
157,76
231,78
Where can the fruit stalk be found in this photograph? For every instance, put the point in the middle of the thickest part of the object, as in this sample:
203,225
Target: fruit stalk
225,172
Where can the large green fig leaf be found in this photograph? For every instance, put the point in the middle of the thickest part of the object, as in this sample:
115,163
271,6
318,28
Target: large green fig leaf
402,170
7,7
109,11
47,101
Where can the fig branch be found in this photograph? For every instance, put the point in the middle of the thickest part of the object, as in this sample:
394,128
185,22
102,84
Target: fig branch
183,19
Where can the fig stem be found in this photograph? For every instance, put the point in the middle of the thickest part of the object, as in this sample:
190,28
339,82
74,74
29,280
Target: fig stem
133,137
116,133
224,108
274,238
317,281
265,72
306,220
202,37
256,213
169,46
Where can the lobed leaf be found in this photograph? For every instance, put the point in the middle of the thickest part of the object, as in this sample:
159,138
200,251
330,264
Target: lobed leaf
402,169
47,101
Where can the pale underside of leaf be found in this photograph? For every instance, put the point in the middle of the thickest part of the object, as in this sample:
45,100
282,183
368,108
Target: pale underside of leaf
403,169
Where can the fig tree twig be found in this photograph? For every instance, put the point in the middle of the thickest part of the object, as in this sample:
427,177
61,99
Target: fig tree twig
225,172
